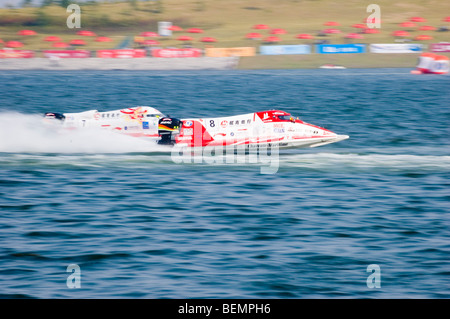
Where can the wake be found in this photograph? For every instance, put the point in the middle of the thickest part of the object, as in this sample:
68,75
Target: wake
29,134
366,162
24,133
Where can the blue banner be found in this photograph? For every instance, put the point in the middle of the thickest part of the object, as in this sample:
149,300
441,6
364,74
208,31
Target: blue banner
285,49
340,48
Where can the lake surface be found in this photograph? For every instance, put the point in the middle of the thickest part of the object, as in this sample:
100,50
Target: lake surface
139,225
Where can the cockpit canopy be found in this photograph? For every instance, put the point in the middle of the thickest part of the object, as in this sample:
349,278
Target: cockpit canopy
276,116
285,117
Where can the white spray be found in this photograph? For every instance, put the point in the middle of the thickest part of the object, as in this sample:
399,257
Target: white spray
24,133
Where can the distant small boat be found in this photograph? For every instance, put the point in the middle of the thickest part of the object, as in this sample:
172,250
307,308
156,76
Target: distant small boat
331,66
431,63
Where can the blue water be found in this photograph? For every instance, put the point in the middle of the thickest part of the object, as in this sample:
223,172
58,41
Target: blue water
141,226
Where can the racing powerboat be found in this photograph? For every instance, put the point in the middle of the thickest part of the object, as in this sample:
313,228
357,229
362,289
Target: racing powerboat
272,128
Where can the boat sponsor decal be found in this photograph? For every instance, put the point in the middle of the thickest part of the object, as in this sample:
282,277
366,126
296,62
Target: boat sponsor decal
166,128
188,131
136,113
270,116
240,122
132,128
224,123
185,138
188,123
166,121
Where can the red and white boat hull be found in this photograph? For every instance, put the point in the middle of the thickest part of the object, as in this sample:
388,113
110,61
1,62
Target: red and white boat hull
273,128
268,128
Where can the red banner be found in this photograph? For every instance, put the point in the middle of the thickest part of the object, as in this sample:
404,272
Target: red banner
67,53
440,47
7,53
177,53
125,53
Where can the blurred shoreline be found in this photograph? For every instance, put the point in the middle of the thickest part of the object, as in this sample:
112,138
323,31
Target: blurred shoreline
258,62
206,63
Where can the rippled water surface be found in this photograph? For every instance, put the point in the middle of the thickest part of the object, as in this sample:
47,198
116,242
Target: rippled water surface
140,225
